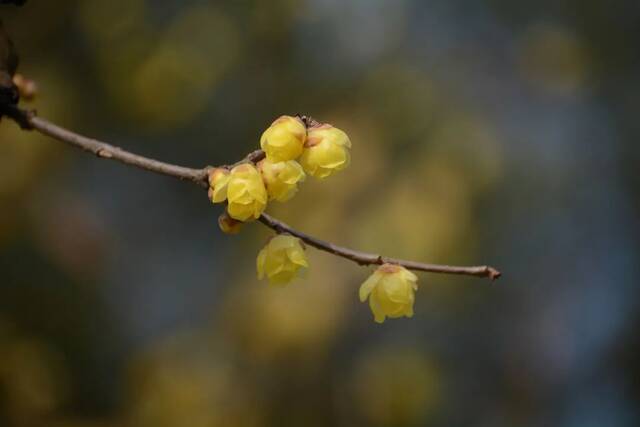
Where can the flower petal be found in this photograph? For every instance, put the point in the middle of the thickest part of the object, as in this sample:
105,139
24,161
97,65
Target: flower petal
378,314
260,263
367,286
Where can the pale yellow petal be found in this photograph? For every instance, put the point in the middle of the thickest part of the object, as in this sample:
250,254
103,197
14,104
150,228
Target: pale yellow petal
260,263
239,211
219,194
282,242
409,275
220,184
378,315
297,256
397,289
281,278
367,286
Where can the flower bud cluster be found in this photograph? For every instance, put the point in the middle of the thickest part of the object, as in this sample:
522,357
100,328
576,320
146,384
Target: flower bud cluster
294,148
291,151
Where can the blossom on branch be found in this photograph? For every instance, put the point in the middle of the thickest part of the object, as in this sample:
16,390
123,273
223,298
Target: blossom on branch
218,181
246,193
242,188
284,139
326,151
281,178
391,292
281,259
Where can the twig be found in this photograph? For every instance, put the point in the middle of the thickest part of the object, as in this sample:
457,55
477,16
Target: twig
364,258
200,177
252,157
108,151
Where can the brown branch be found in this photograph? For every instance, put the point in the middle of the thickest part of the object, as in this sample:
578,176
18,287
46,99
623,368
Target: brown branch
200,177
108,151
364,258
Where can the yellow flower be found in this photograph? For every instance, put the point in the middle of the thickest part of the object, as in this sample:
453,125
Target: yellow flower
281,259
229,225
284,139
326,151
246,194
218,180
281,179
390,290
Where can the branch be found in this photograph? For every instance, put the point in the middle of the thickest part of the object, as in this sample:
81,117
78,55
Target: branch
108,151
364,258
200,176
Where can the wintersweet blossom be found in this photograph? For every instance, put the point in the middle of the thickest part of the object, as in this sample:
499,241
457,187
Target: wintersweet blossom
326,151
284,139
281,259
246,194
281,178
391,292
218,180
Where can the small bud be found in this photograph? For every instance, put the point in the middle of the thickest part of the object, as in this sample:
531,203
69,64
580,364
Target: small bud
391,292
326,151
27,88
229,225
246,193
281,259
284,139
218,181
281,179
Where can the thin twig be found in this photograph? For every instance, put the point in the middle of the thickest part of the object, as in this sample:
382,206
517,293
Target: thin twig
364,258
108,151
252,157
200,177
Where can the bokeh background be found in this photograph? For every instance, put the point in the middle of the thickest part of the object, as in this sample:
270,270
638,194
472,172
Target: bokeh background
498,132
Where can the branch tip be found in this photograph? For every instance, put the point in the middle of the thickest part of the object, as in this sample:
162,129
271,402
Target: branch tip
493,274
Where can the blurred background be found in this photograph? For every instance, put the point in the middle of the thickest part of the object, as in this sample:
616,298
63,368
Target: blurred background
494,132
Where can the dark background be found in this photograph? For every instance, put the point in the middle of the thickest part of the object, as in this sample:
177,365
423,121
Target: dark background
498,132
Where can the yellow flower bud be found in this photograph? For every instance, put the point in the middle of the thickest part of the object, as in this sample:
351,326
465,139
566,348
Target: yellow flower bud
390,290
326,151
218,180
281,179
284,139
281,259
246,194
229,225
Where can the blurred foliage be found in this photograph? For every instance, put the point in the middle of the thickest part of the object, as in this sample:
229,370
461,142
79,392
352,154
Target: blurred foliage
483,132
396,386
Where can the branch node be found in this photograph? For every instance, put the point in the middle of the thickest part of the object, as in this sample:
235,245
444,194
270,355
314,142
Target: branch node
104,153
21,117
